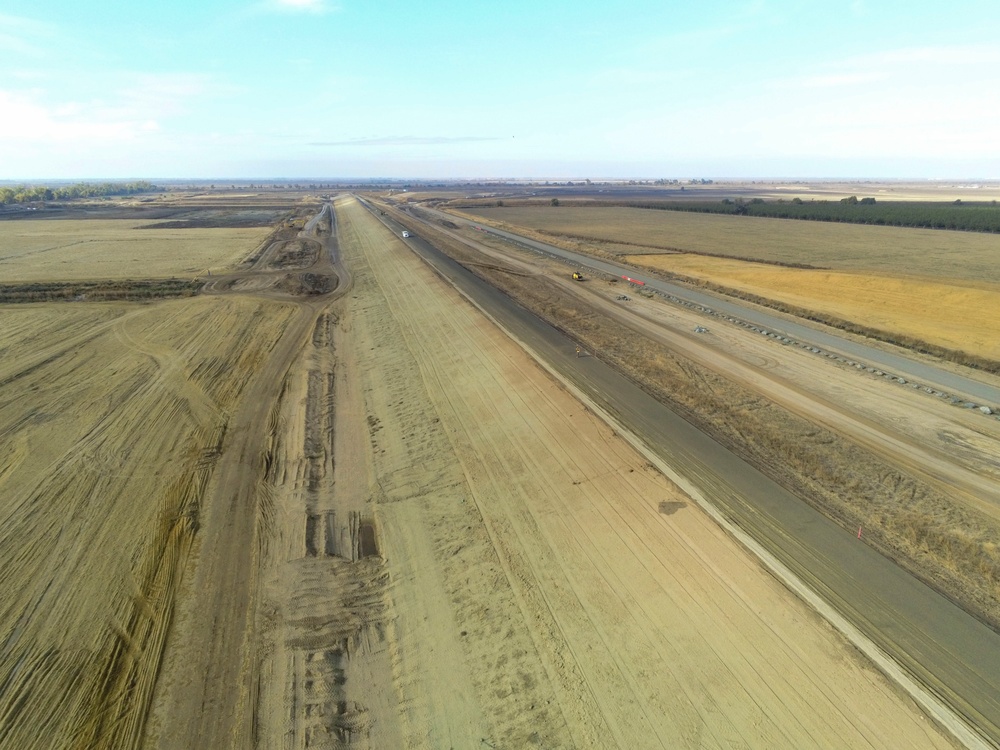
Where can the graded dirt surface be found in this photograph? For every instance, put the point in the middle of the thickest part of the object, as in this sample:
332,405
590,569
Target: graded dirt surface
119,420
959,316
72,249
329,503
452,551
883,476
113,417
935,457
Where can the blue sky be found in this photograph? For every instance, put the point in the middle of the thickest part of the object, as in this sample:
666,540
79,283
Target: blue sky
516,89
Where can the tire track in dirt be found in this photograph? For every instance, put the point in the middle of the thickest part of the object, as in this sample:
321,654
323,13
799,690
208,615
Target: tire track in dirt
413,488
213,681
801,540
99,517
654,619
611,680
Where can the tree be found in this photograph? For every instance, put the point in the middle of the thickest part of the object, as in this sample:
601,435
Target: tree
554,201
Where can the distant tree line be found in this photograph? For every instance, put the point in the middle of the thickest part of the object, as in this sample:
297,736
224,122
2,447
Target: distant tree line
33,193
969,217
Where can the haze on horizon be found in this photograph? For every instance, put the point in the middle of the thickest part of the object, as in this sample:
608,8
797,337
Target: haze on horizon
450,90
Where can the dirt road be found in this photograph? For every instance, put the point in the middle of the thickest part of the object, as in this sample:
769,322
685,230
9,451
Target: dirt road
457,553
203,696
947,648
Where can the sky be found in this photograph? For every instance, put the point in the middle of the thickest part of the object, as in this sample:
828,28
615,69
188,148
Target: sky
520,89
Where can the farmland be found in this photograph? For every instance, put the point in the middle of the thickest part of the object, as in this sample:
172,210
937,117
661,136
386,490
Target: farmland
935,312
969,217
935,254
73,249
322,500
113,418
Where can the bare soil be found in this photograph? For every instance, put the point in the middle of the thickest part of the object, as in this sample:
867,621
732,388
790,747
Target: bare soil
113,419
452,551
810,429
348,510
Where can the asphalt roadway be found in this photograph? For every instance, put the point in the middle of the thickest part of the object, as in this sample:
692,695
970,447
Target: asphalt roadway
909,369
952,654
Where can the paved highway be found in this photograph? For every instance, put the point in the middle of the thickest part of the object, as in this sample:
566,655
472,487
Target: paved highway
945,649
897,364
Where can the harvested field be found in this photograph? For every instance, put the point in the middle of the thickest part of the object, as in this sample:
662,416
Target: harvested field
935,254
71,250
112,425
962,317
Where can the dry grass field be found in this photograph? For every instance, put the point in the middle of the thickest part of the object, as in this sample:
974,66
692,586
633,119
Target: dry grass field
72,250
936,312
112,416
930,253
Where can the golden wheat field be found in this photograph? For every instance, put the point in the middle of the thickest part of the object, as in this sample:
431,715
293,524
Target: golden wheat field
111,417
74,250
846,247
955,316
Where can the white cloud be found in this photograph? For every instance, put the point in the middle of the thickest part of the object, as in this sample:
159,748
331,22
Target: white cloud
131,110
164,94
307,6
27,120
23,36
408,140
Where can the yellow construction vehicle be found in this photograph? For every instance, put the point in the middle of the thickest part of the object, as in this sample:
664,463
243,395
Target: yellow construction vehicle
577,276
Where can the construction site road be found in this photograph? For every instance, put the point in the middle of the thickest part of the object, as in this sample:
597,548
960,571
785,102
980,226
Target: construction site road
956,657
896,363
213,638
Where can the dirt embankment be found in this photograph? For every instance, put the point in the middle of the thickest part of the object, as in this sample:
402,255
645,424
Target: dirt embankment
103,291
511,602
946,544
211,682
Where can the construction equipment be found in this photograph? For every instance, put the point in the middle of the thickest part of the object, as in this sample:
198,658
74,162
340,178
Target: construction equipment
577,276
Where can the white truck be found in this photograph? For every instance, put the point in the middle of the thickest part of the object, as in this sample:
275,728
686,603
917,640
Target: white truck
405,234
